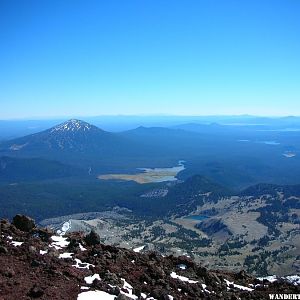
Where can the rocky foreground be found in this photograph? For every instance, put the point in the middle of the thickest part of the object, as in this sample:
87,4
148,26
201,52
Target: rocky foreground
35,263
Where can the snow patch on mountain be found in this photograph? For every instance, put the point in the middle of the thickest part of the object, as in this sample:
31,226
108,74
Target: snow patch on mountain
72,125
95,295
182,278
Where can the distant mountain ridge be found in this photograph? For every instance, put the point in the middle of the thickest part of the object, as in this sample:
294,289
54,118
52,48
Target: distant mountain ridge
73,142
237,159
74,135
81,144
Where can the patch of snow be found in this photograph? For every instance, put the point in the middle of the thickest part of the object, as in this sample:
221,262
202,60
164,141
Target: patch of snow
95,295
81,265
81,247
240,287
182,266
72,125
144,295
171,297
66,255
65,227
112,286
182,278
139,249
90,279
42,252
84,288
129,288
269,278
16,244
59,242
294,279
204,286
9,237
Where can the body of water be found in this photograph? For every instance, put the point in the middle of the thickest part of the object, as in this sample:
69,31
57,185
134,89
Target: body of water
149,175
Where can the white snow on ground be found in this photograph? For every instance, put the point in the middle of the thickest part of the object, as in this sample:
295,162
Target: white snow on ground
95,295
84,288
90,279
66,255
59,242
16,244
81,247
129,288
269,278
42,252
65,227
81,265
240,287
294,279
182,278
144,295
204,286
9,237
182,266
139,249
171,297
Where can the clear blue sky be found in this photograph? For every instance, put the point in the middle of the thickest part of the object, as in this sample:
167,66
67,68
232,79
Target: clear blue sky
200,57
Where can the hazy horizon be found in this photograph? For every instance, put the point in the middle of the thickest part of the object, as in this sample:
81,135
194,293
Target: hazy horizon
82,117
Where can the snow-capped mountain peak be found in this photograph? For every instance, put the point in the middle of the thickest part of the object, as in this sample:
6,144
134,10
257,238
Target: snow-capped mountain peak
72,125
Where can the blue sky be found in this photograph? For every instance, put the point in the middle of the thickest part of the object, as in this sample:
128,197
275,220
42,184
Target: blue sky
201,57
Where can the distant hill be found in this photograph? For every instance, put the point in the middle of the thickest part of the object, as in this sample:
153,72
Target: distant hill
71,136
197,189
272,189
74,142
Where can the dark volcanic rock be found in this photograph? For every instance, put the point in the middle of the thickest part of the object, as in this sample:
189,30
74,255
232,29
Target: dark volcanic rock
44,234
28,273
3,250
92,238
23,223
123,297
36,292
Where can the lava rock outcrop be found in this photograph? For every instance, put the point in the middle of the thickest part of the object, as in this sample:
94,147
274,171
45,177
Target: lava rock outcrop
37,264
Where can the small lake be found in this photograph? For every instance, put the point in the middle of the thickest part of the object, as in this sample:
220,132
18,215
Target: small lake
273,143
148,175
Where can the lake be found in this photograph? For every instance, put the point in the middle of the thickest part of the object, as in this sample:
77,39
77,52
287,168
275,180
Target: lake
148,175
